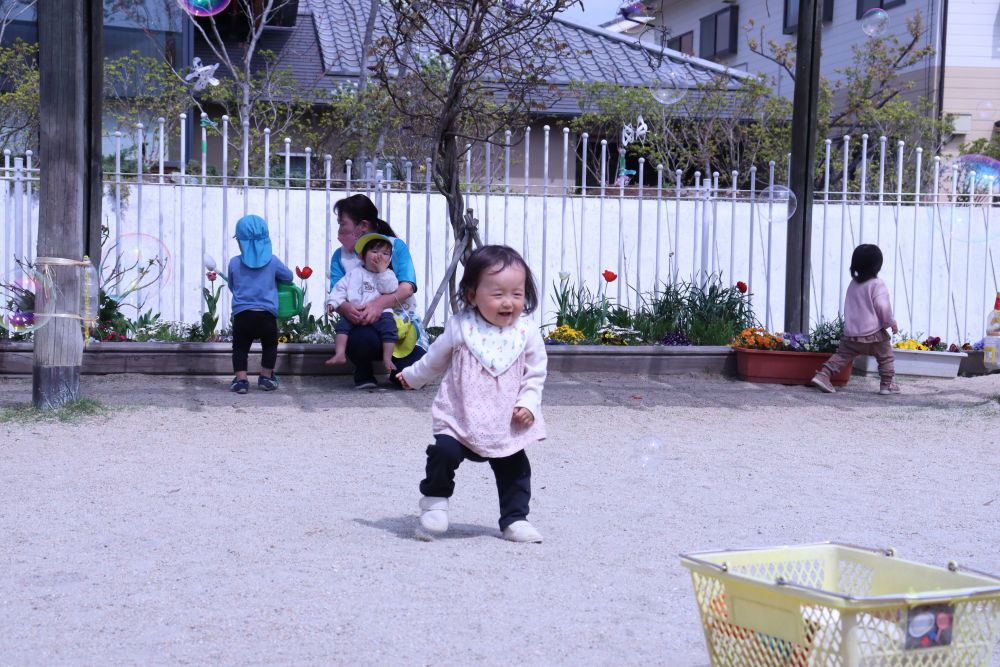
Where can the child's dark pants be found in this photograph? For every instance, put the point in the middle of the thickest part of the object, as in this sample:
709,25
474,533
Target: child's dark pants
251,325
513,475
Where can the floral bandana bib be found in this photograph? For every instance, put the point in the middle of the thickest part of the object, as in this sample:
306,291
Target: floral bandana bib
496,348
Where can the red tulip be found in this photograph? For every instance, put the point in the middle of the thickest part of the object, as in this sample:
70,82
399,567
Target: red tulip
212,275
609,275
304,272
742,287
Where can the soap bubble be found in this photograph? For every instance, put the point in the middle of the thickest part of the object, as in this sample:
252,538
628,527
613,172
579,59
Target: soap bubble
776,203
955,216
669,87
18,290
630,9
203,7
135,263
979,170
875,22
962,223
648,452
986,110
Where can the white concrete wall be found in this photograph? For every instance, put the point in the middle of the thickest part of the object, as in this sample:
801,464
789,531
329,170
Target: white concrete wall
589,237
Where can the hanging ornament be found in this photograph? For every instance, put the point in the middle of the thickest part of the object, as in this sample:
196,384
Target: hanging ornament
202,76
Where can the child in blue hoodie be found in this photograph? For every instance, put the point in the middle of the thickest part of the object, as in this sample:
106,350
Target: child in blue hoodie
253,280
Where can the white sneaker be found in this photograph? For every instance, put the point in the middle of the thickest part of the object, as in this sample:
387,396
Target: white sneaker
521,531
433,517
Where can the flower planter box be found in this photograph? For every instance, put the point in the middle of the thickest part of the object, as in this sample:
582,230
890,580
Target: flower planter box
178,359
304,359
919,363
973,364
781,367
642,359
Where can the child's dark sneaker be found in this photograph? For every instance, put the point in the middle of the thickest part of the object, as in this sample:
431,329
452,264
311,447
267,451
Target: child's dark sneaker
265,383
239,386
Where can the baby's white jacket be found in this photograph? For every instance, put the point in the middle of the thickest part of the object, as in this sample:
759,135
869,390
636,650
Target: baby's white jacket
360,286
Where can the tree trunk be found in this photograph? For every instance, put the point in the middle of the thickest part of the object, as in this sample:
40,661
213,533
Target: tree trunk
447,172
366,45
70,64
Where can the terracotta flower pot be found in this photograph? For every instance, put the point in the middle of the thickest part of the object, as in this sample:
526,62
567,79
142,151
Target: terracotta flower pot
781,367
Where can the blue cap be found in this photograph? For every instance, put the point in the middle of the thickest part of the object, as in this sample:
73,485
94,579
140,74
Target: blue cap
255,241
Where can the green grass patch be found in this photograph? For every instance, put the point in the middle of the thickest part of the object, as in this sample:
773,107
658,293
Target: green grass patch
69,413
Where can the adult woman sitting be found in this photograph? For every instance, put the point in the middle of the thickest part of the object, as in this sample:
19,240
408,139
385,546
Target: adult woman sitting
357,216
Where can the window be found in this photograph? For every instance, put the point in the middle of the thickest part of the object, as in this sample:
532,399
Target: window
865,5
683,43
719,32
791,22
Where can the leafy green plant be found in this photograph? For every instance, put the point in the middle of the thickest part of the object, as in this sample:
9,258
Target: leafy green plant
709,313
307,328
210,318
715,313
17,300
825,336
163,332
662,312
581,310
112,325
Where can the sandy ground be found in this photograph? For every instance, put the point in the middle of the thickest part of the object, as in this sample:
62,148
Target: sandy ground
192,526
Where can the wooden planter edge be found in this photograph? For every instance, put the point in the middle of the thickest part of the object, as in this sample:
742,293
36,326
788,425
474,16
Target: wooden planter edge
307,359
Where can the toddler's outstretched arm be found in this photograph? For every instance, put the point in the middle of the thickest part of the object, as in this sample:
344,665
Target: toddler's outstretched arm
436,361
535,370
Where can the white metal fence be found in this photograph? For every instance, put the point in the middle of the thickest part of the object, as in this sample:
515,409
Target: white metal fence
937,235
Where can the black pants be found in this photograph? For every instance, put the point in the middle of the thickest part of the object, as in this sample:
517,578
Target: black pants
251,325
513,475
364,347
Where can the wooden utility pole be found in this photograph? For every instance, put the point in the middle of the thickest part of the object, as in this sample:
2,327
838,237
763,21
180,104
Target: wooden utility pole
70,63
804,126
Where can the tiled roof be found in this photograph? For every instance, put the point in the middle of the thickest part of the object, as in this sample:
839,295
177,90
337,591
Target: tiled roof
296,49
594,54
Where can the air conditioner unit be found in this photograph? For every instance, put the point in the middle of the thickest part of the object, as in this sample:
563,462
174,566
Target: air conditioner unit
962,123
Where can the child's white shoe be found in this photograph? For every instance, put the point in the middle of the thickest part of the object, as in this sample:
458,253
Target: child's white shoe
521,531
433,517
888,389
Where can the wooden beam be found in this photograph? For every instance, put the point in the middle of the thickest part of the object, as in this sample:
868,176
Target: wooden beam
804,127
71,69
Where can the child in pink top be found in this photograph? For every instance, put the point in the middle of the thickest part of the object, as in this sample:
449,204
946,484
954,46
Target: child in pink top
488,407
867,314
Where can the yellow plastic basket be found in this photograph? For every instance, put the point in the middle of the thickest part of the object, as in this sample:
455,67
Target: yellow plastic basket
827,605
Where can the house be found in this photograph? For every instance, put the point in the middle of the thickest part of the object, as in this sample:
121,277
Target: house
151,29
961,78
323,50
320,42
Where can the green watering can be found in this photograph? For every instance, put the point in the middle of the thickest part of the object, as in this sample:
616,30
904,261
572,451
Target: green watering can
290,300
